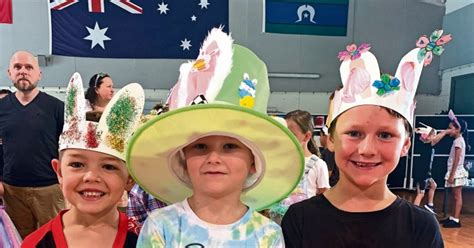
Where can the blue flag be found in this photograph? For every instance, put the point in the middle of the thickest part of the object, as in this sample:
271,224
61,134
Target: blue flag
313,17
134,28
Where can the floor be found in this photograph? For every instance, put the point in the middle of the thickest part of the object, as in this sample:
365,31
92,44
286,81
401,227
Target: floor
460,237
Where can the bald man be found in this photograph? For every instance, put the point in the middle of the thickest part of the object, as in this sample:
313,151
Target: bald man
30,124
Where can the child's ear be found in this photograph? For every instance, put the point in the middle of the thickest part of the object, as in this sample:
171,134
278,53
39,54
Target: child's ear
307,136
56,164
252,169
130,183
330,142
406,147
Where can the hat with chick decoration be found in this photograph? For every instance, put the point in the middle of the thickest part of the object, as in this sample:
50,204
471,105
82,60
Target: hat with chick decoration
223,92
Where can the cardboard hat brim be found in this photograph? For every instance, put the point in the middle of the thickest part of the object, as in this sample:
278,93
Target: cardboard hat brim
152,146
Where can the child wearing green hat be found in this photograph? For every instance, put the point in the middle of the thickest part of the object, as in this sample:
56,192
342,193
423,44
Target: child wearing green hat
216,156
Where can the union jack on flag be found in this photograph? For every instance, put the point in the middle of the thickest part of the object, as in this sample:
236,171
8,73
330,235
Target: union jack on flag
134,28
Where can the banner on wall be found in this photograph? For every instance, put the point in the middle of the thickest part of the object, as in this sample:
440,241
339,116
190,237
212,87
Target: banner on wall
311,17
134,28
6,15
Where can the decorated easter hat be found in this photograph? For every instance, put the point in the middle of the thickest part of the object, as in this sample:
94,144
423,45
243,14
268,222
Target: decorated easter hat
223,92
117,123
363,84
425,132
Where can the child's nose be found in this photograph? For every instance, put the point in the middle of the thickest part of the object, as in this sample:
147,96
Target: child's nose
367,146
92,176
213,157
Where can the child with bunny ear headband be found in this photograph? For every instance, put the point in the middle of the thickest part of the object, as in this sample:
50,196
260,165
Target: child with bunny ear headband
370,130
92,172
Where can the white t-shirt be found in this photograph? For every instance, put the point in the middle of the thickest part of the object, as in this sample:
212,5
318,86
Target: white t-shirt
178,226
460,171
318,175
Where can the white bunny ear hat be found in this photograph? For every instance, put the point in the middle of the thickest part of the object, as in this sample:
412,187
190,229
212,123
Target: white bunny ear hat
118,122
363,84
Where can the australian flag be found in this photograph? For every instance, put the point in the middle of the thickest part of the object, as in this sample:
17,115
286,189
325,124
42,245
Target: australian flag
134,28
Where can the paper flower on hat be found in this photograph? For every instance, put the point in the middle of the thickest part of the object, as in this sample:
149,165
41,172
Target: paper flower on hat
433,45
118,122
387,84
353,52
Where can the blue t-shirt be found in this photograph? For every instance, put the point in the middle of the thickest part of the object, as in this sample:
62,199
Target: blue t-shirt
178,226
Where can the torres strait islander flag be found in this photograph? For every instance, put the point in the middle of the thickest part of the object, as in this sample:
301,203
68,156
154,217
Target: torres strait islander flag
312,17
134,28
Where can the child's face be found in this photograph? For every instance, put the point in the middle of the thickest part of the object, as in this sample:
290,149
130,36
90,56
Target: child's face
218,165
302,137
453,131
92,182
368,143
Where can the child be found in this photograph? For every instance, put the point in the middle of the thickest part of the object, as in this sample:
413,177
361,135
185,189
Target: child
456,176
92,173
315,179
423,179
219,161
369,132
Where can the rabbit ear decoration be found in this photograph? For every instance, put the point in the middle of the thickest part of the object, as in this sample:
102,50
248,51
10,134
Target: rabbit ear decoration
363,84
118,122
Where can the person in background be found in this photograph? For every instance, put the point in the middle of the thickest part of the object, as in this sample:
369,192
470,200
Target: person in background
30,124
456,176
315,179
3,93
424,180
100,91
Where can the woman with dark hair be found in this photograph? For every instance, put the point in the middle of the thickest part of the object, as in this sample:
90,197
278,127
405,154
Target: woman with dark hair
100,92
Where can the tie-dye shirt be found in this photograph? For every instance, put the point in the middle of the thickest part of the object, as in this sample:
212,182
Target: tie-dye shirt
178,226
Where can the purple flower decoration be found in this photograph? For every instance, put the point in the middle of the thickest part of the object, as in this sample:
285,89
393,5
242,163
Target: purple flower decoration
353,52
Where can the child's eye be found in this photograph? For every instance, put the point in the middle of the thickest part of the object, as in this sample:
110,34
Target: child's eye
199,146
110,167
229,146
354,134
76,165
385,135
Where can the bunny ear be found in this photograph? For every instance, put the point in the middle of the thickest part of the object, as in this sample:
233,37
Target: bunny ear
75,100
122,116
357,75
409,71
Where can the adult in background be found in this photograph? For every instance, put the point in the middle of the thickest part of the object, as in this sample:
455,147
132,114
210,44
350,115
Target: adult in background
100,92
30,124
3,94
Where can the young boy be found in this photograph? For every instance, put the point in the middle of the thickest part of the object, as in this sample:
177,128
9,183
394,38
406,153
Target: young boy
218,162
92,173
369,132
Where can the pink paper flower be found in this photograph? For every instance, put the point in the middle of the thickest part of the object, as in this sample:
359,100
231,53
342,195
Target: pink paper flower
353,52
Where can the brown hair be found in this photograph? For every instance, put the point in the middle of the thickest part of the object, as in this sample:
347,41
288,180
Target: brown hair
304,120
392,112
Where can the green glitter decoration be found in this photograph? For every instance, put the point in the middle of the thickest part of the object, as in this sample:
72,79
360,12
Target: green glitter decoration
71,103
121,115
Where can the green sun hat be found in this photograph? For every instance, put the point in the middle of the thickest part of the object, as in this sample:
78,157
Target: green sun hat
223,92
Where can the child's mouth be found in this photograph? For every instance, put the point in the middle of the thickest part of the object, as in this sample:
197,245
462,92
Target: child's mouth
365,165
91,195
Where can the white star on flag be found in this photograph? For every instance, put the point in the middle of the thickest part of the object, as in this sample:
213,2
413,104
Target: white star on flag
193,18
163,7
186,44
97,36
203,4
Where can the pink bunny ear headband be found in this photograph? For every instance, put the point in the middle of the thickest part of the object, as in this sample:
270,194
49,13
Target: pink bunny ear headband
363,84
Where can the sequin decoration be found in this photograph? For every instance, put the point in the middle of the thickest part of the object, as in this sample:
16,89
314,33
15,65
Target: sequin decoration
72,133
119,121
91,136
71,102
